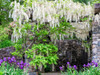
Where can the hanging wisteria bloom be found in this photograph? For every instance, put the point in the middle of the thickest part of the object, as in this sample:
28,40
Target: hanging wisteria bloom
44,11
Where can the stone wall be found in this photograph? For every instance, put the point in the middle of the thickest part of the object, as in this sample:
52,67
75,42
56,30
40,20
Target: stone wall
96,36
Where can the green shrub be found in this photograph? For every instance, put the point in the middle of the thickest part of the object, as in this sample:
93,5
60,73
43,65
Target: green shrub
5,43
4,11
4,37
83,1
1,73
42,54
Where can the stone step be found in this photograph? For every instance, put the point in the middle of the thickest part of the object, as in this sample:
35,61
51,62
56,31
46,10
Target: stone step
50,73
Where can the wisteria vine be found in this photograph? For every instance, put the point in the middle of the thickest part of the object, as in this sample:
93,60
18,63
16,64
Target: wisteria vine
44,11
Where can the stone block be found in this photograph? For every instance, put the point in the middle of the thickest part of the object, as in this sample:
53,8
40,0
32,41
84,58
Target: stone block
33,73
99,49
97,5
94,38
94,35
96,30
94,50
94,57
98,53
95,24
98,35
99,43
93,46
97,8
51,74
95,42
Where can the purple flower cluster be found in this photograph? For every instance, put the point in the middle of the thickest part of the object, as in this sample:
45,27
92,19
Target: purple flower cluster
68,66
21,65
12,60
93,63
1,61
61,68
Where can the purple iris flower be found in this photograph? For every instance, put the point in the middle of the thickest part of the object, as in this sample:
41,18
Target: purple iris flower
14,60
4,59
13,57
88,65
61,68
10,61
18,63
96,64
68,63
1,61
21,66
9,58
93,62
25,64
75,67
84,65
21,62
70,66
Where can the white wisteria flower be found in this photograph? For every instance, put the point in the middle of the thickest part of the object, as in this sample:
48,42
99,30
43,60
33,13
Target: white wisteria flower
51,11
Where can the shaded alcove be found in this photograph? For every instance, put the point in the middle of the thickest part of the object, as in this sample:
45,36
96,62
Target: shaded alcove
71,51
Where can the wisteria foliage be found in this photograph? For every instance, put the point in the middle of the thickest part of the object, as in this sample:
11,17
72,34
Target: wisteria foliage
51,11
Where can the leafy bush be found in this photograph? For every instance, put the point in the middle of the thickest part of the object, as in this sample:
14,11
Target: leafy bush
4,37
95,1
4,11
5,43
42,54
82,1
4,22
